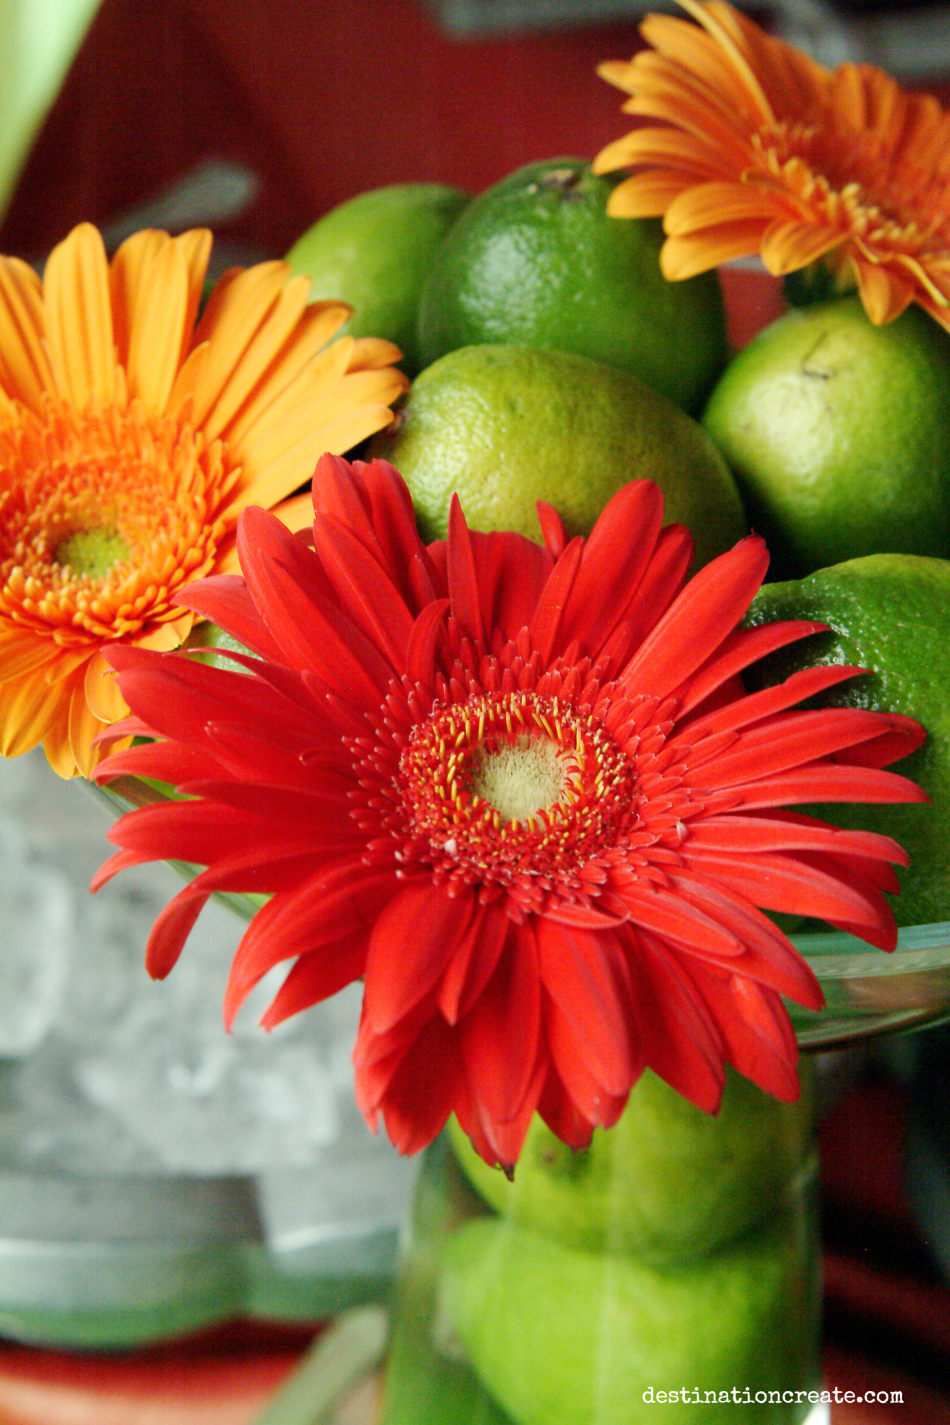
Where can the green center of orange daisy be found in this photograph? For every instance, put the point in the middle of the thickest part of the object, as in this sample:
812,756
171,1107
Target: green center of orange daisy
92,552
104,515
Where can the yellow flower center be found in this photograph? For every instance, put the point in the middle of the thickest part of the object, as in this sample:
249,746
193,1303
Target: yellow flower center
506,786
537,797
887,197
518,778
104,515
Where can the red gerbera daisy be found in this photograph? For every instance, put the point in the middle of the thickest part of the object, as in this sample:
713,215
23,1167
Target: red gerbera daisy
521,793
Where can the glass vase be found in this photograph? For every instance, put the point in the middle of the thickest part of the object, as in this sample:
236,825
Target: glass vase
674,1264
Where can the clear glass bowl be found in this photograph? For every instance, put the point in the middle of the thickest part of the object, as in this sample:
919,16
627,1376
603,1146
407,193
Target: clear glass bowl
870,991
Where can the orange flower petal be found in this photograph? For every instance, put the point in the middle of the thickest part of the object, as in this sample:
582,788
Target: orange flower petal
246,322
682,257
884,295
29,707
646,195
155,283
716,205
713,59
101,691
787,247
78,315
319,322
329,408
24,366
693,158
22,653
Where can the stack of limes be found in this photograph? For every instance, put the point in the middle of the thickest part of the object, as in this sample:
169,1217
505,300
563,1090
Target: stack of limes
558,364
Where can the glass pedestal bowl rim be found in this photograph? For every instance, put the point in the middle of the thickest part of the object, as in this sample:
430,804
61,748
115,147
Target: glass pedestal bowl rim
870,991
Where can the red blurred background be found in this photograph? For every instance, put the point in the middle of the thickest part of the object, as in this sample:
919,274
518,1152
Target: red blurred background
321,98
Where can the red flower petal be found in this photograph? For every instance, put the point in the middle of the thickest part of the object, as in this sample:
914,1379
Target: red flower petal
171,929
759,1040
364,588
371,499
582,1087
789,741
473,963
706,611
828,782
511,573
463,580
226,601
546,625
414,1090
681,1041
330,904
411,945
585,975
316,976
500,1037
614,560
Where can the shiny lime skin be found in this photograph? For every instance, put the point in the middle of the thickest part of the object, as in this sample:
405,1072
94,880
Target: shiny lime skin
506,426
838,433
536,260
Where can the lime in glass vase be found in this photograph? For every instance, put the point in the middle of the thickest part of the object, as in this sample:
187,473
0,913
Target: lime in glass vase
673,1263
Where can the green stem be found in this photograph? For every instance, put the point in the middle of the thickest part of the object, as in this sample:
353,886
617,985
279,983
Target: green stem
345,1353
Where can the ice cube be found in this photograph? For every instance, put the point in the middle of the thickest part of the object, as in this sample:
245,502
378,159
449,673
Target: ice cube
36,915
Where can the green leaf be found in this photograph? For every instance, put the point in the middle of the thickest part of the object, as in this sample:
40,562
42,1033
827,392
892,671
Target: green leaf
38,39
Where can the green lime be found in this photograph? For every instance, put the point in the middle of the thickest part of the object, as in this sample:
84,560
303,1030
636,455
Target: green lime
838,433
889,613
210,644
506,426
374,251
560,1334
667,1183
536,260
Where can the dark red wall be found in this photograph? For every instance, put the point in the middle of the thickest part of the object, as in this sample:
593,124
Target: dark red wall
324,98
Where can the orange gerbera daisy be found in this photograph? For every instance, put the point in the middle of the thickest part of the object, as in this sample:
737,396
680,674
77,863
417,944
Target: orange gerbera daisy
753,147
131,439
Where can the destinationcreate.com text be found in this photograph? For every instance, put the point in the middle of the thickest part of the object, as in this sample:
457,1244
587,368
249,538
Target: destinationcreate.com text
744,1395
